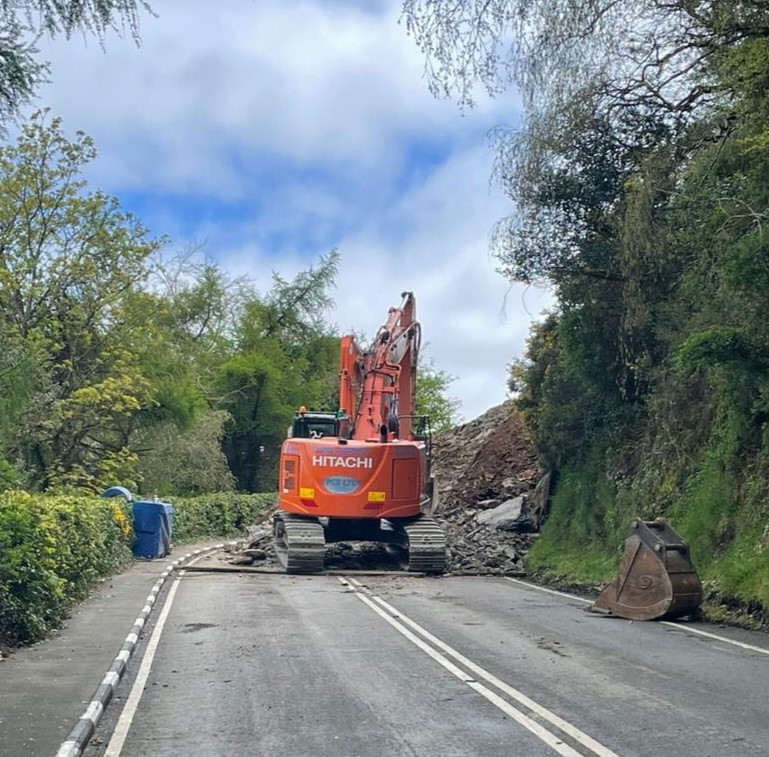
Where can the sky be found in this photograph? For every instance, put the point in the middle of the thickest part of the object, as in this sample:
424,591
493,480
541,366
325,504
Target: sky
268,132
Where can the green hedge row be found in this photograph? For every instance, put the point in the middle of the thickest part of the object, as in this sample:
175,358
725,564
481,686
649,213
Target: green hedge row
52,552
55,549
216,514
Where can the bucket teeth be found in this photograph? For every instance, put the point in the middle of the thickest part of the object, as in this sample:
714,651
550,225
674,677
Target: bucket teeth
655,579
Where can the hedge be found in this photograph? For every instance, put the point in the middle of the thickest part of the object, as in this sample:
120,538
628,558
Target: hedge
216,514
52,552
55,549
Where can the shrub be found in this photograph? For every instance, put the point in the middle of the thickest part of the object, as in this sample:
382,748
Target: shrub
216,514
53,549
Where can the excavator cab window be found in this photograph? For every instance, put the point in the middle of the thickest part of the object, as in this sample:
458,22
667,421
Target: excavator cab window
314,426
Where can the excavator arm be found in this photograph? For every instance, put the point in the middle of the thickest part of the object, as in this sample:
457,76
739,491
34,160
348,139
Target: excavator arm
378,386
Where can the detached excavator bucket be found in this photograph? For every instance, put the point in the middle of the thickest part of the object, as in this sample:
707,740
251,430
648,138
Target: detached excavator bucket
656,578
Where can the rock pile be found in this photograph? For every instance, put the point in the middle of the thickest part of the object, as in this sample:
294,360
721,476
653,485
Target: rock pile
491,492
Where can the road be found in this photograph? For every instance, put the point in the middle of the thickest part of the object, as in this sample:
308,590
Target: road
254,664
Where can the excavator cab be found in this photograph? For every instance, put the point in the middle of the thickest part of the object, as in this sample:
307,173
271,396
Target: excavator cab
313,425
656,577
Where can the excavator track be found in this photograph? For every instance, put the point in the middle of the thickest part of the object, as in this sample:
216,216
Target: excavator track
426,545
299,543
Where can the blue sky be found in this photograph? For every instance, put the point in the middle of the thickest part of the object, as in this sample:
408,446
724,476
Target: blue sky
269,132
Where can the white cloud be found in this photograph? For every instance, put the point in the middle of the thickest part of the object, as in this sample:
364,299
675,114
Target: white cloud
434,242
310,82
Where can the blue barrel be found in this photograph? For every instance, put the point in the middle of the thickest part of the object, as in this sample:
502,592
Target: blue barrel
153,522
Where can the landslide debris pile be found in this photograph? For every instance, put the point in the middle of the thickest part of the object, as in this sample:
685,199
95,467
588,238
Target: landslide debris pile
491,500
491,492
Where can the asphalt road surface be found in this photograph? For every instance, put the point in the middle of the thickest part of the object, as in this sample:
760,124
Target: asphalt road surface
250,664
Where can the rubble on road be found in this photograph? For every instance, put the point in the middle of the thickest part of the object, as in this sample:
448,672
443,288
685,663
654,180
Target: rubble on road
492,492
492,496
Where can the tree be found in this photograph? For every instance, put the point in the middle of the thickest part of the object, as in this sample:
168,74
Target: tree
649,55
604,84
189,461
285,357
22,23
639,186
69,261
433,398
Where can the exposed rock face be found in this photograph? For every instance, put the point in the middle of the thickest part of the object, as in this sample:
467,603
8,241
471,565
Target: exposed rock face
492,492
509,516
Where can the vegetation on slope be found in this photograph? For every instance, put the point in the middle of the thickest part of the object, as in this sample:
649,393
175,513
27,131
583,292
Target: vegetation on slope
639,183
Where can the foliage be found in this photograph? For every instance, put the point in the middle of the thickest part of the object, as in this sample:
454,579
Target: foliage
285,357
52,552
22,23
639,180
68,259
580,539
433,398
55,549
122,362
222,514
188,462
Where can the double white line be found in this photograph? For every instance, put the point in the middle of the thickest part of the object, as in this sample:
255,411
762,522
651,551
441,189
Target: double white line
430,645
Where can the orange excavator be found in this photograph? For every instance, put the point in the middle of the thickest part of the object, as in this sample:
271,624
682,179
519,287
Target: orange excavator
362,473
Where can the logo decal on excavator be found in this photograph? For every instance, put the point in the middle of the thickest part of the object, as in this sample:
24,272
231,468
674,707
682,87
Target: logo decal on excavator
341,484
342,461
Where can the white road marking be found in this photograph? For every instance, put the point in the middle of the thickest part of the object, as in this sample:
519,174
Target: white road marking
549,591
399,621
120,733
677,626
734,642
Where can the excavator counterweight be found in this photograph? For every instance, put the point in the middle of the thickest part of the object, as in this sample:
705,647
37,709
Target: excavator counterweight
656,577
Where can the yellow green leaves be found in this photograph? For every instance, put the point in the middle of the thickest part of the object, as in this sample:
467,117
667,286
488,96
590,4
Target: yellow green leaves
52,551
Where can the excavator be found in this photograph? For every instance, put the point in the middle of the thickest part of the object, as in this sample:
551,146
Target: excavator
362,473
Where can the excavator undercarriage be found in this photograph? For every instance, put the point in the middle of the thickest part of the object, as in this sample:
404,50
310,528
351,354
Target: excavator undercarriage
300,542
